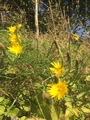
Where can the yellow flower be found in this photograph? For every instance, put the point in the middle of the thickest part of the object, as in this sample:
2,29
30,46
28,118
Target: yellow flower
57,90
13,38
12,29
15,48
19,26
57,69
75,36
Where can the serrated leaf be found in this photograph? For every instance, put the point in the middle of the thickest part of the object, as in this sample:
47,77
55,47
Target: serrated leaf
68,104
1,99
76,112
68,113
2,109
13,112
86,110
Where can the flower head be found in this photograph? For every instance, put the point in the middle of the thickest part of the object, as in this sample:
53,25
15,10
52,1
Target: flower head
13,38
19,26
12,29
15,48
57,68
75,36
58,90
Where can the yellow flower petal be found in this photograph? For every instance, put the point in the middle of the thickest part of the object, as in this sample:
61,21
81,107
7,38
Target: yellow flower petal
75,36
58,90
57,69
13,38
12,29
19,26
15,48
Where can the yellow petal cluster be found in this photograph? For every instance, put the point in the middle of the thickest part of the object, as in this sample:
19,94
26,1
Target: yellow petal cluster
15,40
12,29
19,26
15,48
57,68
58,90
75,36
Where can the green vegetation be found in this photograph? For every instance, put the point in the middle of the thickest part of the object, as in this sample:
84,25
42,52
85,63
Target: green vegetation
25,76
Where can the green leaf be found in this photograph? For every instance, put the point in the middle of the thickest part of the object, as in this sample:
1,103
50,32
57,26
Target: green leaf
6,101
86,110
1,117
68,104
68,113
23,118
38,85
88,78
76,111
80,95
53,113
35,118
23,105
1,99
2,109
13,112
26,108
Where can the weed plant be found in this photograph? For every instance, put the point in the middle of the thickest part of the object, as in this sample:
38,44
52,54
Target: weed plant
26,80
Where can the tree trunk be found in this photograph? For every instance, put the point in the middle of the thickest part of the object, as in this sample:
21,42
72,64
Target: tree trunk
36,19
